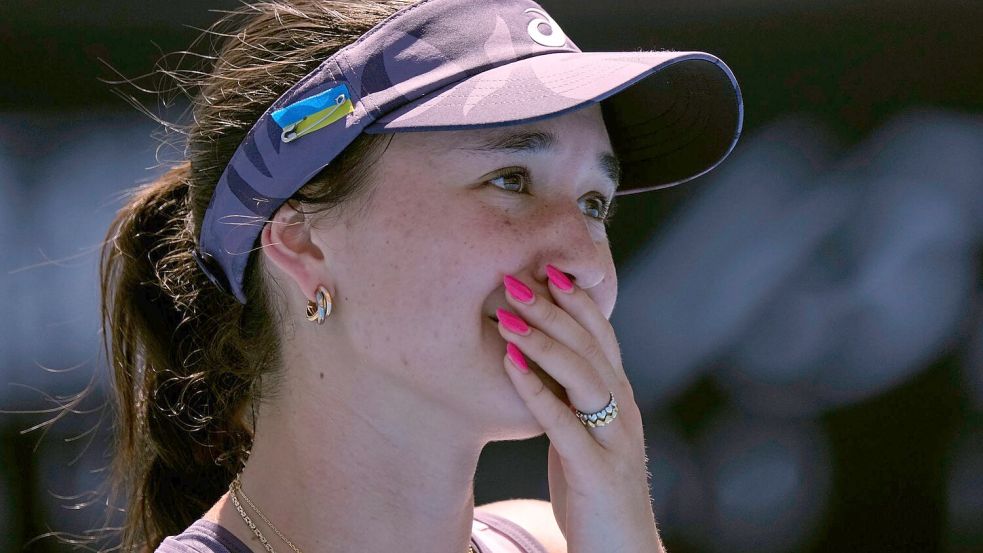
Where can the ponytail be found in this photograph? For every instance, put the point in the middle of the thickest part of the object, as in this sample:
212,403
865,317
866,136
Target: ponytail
188,362
180,440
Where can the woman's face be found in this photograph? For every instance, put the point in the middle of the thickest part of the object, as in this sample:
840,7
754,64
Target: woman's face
417,274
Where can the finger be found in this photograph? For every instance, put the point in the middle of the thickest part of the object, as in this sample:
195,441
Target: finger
585,388
564,429
583,309
547,316
583,384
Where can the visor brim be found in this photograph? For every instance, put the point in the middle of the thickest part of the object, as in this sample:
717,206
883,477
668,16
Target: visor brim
671,116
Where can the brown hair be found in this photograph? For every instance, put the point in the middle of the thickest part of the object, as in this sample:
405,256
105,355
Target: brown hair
187,360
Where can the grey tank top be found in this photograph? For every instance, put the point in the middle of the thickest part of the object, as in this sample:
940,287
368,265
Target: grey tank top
489,534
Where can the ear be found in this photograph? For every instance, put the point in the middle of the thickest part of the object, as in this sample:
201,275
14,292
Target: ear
286,240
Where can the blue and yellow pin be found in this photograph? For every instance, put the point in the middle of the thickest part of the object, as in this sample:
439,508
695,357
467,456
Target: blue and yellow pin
310,114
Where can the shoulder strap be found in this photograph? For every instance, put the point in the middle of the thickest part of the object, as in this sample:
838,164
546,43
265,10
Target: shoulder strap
517,534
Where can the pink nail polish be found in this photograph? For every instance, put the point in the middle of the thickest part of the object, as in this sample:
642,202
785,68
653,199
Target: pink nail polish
559,279
512,322
516,357
518,290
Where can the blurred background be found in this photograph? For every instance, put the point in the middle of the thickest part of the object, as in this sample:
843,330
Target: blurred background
803,326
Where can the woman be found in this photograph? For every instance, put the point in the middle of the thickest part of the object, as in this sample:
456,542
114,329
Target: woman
321,318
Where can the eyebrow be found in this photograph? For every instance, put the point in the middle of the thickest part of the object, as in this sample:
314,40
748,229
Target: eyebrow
534,142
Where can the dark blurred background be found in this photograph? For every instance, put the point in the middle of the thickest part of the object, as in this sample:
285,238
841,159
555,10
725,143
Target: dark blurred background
803,326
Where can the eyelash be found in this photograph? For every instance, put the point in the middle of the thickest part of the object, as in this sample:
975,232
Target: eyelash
607,208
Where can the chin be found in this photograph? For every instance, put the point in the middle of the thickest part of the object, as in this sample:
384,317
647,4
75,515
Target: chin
520,424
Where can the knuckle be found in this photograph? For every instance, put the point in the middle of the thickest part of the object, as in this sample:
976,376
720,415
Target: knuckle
537,394
608,334
629,397
550,314
626,390
592,350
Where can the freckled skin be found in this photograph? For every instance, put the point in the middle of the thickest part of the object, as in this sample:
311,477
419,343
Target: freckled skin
382,411
421,268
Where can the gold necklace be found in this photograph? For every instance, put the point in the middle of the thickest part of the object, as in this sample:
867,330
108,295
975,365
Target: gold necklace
235,486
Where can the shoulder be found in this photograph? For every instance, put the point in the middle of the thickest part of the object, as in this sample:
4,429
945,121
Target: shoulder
203,536
533,515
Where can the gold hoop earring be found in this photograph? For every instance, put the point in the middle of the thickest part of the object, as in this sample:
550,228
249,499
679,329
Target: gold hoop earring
318,311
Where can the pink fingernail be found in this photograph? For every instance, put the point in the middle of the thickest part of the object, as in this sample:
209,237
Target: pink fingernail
518,290
512,322
559,279
515,355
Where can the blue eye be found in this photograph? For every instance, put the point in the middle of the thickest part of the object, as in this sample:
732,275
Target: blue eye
516,179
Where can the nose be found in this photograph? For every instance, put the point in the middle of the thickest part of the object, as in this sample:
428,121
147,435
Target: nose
569,243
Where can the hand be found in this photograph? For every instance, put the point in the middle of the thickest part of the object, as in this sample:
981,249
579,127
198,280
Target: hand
598,477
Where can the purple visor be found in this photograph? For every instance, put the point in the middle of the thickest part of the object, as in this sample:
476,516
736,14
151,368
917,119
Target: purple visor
467,64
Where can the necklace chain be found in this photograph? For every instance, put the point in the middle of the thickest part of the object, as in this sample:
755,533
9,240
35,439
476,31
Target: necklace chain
236,486
249,521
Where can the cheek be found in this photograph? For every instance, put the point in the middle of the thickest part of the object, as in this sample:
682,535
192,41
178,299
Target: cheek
434,268
426,259
471,234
